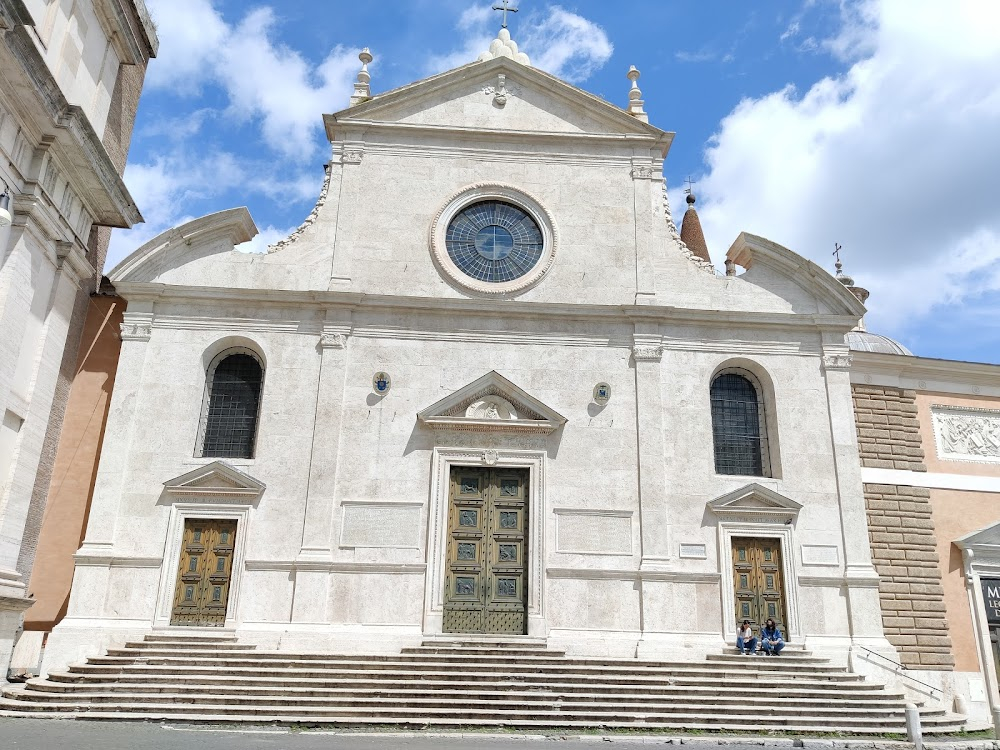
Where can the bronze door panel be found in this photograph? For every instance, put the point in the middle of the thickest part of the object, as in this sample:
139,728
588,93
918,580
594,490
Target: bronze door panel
758,581
204,573
486,578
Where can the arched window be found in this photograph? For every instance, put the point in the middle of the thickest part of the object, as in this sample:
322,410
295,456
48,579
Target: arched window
232,405
738,427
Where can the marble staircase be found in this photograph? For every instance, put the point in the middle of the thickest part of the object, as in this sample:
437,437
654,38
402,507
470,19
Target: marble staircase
464,683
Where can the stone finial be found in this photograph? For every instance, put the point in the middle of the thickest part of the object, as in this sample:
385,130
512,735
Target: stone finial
635,102
861,293
504,46
362,87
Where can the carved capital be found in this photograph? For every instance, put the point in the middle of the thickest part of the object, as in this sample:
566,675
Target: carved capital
642,173
647,353
836,362
333,341
136,331
352,155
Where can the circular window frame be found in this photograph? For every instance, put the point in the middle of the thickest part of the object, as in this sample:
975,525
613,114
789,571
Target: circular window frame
478,193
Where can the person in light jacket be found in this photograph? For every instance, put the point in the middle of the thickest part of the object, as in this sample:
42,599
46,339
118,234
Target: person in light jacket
770,638
745,641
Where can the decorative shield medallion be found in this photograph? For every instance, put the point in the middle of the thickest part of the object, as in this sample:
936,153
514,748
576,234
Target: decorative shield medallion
381,382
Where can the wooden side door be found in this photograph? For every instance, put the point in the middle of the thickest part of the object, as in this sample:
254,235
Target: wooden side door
201,596
486,576
758,583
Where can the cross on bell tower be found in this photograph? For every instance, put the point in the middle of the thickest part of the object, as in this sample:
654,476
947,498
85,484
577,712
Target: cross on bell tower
504,6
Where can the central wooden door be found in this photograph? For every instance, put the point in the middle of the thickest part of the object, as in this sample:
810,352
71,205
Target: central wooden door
206,566
486,583
758,582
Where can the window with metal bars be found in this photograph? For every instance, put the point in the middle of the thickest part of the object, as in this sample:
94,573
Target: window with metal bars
738,427
232,405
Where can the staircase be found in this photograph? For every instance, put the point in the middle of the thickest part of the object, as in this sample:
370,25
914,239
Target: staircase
475,683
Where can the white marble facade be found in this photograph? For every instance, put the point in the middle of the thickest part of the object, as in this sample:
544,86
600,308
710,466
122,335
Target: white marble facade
341,512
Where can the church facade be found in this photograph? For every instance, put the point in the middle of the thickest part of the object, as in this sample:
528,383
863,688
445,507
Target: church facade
486,390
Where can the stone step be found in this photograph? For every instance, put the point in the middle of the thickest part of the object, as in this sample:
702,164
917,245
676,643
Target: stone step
451,692
501,705
530,674
835,690
260,659
491,715
485,639
198,645
191,636
472,652
939,727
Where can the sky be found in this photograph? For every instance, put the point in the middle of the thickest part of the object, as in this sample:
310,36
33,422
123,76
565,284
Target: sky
874,124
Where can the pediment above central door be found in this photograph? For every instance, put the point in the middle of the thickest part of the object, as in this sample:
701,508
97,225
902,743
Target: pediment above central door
491,404
499,94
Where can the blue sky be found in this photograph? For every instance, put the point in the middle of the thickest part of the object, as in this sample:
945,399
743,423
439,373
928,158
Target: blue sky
871,123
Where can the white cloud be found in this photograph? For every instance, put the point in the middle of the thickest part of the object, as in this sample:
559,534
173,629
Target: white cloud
558,41
896,160
165,188
262,78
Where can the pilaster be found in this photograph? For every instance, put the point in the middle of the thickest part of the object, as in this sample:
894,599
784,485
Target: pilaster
860,576
653,521
643,175
136,331
316,553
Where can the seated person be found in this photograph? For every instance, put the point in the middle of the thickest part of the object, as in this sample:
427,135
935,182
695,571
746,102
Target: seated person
770,638
745,641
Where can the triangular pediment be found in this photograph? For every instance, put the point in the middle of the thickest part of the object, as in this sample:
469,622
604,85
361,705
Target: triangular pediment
466,98
217,479
755,502
988,536
491,404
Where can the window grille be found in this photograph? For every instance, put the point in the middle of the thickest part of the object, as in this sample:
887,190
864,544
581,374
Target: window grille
229,424
738,427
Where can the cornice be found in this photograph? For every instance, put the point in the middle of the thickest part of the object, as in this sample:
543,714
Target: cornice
356,301
83,158
14,13
870,368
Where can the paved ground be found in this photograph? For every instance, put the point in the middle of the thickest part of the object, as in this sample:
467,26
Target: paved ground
53,734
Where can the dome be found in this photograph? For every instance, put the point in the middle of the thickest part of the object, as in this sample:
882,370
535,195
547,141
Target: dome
864,341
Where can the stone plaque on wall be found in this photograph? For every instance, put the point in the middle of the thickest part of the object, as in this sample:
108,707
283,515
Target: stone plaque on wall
966,434
820,554
594,532
380,525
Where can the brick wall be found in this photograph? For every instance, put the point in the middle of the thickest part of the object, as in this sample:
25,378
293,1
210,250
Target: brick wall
901,529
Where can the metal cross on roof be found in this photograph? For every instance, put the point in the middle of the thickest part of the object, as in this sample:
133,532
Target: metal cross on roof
837,250
504,5
690,185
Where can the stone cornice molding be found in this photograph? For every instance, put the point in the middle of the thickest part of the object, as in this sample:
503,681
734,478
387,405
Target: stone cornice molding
82,156
940,375
71,259
733,319
749,249
14,13
235,224
217,480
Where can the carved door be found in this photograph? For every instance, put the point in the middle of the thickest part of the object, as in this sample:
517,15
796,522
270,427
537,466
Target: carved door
204,573
486,581
758,581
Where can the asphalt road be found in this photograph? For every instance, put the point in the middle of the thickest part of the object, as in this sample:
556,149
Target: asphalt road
54,734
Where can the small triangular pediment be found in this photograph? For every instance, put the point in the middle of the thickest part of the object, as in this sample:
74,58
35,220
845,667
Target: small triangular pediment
217,479
756,502
491,404
467,98
988,536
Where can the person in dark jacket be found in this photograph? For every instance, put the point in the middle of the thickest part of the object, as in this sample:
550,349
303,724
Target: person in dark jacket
770,638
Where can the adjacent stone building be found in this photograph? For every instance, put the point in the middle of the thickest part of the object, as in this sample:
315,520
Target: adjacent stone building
72,73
